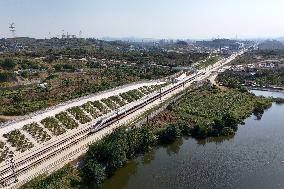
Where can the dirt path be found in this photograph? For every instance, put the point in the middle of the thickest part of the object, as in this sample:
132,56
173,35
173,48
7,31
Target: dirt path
9,118
212,79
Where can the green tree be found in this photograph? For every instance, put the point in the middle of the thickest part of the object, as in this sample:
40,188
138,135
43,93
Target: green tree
93,173
230,120
8,64
7,76
168,135
200,130
65,178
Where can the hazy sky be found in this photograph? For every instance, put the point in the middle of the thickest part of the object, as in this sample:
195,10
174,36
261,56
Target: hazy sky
144,18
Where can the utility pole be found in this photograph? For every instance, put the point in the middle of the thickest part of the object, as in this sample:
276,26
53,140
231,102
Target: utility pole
13,29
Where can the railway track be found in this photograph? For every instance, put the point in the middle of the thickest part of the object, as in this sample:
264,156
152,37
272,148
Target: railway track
43,155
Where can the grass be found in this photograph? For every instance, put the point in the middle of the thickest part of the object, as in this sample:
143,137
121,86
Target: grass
102,108
37,132
18,140
53,126
88,107
79,115
66,120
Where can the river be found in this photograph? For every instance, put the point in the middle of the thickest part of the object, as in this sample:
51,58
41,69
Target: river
253,158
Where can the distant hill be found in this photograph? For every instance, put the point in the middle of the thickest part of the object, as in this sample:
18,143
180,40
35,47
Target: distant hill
182,43
271,45
281,39
130,39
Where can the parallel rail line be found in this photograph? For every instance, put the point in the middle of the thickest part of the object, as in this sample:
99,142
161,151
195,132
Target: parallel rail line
85,134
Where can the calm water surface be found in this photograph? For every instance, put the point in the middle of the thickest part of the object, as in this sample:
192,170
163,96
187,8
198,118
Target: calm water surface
253,158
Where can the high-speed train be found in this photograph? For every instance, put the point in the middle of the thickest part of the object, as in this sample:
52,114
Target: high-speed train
106,121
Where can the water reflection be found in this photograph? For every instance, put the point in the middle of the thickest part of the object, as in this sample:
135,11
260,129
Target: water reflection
216,140
121,177
148,157
174,148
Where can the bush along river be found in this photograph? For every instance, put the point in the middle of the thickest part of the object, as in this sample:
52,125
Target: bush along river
246,156
252,158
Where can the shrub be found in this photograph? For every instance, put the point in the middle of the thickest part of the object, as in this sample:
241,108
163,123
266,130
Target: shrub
18,140
227,131
110,103
53,126
279,100
37,132
79,115
200,130
93,173
4,150
169,134
144,90
135,94
7,76
90,109
113,151
185,128
259,108
65,178
8,64
127,97
118,100
66,120
102,108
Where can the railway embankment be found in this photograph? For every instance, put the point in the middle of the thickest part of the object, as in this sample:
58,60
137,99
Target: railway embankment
202,112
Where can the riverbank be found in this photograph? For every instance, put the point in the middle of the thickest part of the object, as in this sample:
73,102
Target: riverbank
203,112
252,158
272,89
210,111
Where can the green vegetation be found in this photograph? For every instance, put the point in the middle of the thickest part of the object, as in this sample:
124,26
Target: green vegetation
144,90
210,61
100,162
3,151
37,132
203,112
118,100
7,64
170,134
18,140
20,93
209,111
136,94
7,76
260,78
112,105
260,107
65,178
279,100
88,107
127,97
132,95
53,126
113,151
66,120
79,115
102,108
